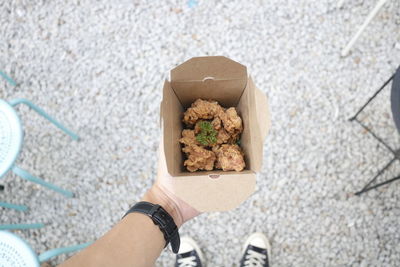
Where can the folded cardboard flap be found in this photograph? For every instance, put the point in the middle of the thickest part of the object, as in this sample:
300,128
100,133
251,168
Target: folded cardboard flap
172,111
255,115
207,194
202,77
219,67
263,114
224,80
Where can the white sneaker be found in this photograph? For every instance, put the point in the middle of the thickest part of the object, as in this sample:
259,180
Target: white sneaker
256,251
189,254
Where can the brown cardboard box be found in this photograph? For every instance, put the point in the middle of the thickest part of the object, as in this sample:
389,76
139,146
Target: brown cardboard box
226,81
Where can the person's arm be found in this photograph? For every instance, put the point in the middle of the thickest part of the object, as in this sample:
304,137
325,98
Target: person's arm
134,241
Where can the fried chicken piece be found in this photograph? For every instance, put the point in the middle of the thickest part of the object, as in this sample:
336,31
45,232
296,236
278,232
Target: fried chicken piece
223,137
229,157
188,138
231,121
199,158
207,116
216,123
234,138
201,109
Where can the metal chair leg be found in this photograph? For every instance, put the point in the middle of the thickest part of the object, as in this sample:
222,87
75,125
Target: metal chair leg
13,206
41,112
45,256
396,154
8,78
377,185
371,15
21,226
372,97
27,176
366,188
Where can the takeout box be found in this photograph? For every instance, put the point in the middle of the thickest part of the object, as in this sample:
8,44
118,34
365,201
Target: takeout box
226,81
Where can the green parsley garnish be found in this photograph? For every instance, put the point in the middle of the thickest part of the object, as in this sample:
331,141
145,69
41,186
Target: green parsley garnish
207,135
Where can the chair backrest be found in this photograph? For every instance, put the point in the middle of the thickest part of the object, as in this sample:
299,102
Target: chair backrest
15,252
10,137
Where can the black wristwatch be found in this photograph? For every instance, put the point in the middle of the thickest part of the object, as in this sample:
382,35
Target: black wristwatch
162,219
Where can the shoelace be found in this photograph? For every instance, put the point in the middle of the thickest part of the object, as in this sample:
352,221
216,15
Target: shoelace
254,259
187,262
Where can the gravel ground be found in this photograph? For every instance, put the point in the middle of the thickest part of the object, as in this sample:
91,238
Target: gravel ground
99,68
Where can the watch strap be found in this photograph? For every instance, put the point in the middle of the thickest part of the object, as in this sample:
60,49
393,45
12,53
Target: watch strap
162,219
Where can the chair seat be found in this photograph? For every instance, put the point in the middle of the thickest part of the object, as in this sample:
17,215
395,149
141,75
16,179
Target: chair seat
10,137
395,99
16,252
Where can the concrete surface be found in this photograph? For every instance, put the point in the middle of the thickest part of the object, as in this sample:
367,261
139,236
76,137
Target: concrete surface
99,68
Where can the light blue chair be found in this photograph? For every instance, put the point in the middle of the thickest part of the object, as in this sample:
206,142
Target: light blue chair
11,138
22,226
15,252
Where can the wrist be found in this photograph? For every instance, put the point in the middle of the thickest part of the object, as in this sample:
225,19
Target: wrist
156,195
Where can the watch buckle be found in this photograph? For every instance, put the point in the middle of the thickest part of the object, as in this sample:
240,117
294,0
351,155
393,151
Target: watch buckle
153,210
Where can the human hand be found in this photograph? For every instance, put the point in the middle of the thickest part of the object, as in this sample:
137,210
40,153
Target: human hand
162,193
